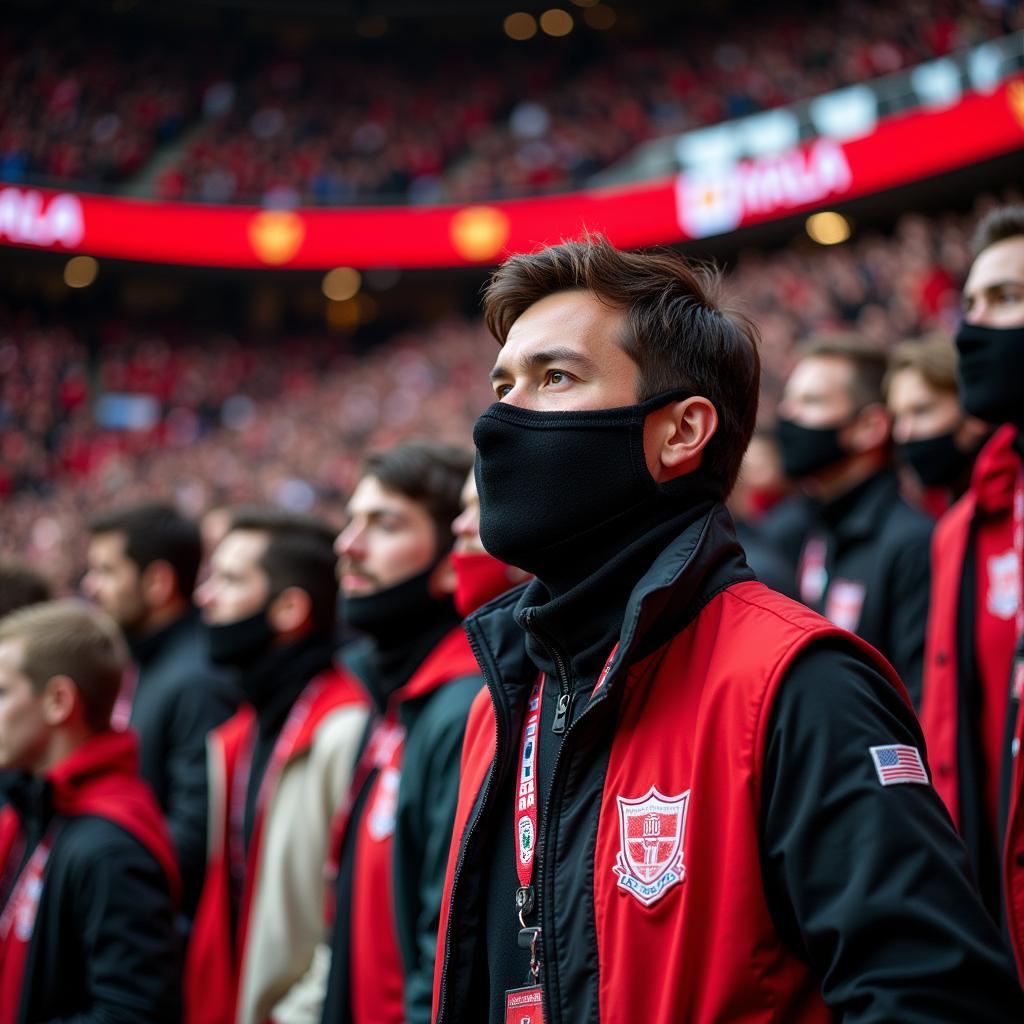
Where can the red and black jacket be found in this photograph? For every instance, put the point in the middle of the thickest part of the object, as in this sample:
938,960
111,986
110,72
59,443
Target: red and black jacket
390,843
90,884
807,889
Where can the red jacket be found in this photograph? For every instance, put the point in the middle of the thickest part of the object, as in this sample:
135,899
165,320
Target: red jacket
99,780
987,502
683,958
222,978
390,897
673,743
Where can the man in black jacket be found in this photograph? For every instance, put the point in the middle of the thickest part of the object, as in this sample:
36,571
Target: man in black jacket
863,551
683,797
86,918
143,562
392,839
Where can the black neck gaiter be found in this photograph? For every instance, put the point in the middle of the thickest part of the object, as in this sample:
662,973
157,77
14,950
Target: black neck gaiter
569,497
991,371
938,461
557,488
406,622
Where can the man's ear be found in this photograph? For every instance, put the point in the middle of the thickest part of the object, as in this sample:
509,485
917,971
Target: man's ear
676,435
290,611
442,580
870,431
62,703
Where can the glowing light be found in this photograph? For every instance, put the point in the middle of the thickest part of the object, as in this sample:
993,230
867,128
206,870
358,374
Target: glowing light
828,227
556,22
520,26
80,271
341,284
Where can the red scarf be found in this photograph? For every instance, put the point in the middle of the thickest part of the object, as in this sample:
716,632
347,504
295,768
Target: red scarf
100,779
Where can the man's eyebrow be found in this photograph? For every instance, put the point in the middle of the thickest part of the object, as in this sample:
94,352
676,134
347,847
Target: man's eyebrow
542,357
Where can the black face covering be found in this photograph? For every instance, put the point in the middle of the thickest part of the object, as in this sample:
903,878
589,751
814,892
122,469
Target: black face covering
937,461
241,643
808,450
992,372
394,609
552,483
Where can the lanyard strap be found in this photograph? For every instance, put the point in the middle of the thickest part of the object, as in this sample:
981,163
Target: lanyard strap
526,794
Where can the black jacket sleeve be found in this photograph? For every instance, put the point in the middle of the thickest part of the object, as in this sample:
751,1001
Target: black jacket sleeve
199,707
129,943
869,883
909,583
423,831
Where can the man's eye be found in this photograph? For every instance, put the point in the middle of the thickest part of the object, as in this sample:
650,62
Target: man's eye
502,390
557,377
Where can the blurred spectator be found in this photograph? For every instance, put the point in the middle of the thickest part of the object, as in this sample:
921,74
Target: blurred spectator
935,439
21,585
864,552
142,563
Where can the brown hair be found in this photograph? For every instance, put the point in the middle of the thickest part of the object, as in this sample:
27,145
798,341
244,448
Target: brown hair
933,358
997,225
21,586
299,553
677,330
868,364
71,638
427,472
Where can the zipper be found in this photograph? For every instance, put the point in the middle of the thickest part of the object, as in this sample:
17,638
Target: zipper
485,797
544,830
563,668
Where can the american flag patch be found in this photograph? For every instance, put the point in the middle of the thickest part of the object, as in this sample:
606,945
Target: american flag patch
898,763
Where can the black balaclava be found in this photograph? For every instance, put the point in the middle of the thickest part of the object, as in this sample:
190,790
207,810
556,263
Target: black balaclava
808,450
552,484
937,461
991,372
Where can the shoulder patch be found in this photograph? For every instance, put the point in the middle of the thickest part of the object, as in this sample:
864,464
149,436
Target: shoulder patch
897,762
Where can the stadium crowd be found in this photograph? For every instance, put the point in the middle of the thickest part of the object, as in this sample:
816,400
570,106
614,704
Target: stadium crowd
222,405
313,122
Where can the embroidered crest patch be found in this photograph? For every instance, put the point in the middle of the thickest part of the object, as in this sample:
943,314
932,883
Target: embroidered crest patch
844,603
1003,585
651,831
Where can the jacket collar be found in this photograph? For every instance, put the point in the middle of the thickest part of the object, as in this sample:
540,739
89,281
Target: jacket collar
699,562
996,471
861,511
148,648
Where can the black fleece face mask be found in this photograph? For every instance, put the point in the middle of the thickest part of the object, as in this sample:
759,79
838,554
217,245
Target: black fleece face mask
992,372
808,450
548,480
243,642
401,607
936,461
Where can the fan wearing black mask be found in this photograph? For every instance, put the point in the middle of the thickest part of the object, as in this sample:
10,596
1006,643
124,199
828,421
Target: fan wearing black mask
935,439
275,771
670,808
391,834
862,551
974,671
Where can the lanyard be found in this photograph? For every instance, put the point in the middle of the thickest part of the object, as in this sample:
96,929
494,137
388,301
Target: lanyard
525,816
1017,684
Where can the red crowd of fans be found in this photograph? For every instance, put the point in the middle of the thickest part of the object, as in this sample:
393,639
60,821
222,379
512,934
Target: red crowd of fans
226,425
319,123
